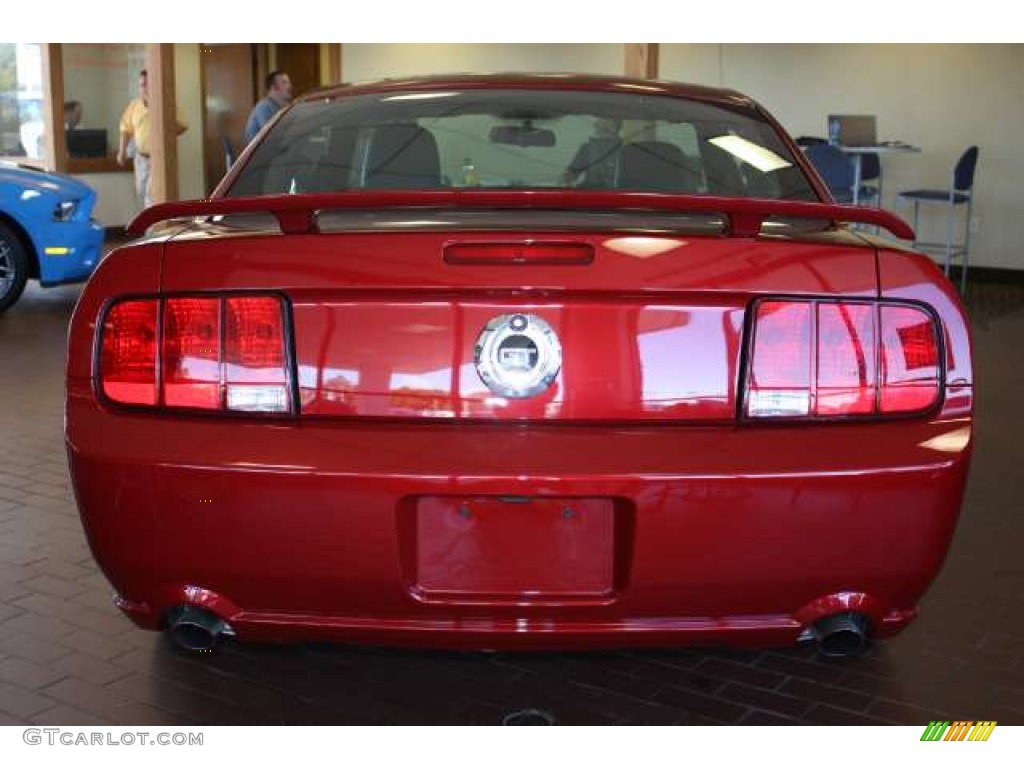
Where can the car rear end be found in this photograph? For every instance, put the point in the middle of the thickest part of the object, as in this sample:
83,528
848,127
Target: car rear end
518,419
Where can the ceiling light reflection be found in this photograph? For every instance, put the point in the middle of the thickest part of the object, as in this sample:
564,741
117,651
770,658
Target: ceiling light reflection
949,442
760,157
421,96
643,247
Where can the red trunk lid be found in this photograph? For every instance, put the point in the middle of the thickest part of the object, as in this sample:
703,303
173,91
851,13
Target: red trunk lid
391,324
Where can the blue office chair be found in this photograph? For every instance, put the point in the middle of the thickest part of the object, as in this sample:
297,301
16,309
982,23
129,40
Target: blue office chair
960,192
835,169
229,153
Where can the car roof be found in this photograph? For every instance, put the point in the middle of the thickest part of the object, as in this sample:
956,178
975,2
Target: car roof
538,81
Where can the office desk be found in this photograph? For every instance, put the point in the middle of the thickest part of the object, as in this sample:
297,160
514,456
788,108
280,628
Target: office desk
879,149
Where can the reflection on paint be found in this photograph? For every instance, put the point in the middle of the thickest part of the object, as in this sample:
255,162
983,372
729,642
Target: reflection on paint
643,247
953,441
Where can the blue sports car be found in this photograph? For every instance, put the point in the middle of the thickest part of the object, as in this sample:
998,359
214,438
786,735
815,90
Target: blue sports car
46,230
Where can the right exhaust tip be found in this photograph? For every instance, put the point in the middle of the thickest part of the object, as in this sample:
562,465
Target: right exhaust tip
842,635
194,629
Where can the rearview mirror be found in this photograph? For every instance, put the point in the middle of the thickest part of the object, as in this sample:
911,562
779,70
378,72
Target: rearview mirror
522,136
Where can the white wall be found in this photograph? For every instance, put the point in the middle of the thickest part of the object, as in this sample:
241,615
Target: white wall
115,196
940,97
369,61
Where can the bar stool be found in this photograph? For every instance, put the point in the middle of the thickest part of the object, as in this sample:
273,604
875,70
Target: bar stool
871,172
960,192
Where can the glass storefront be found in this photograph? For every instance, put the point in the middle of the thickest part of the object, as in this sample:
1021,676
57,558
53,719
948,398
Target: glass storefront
21,101
101,79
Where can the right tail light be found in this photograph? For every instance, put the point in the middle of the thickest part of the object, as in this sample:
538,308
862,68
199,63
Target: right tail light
206,352
822,359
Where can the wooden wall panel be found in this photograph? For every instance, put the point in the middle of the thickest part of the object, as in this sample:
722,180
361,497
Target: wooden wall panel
641,60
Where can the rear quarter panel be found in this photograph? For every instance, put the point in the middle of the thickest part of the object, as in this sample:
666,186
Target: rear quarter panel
904,274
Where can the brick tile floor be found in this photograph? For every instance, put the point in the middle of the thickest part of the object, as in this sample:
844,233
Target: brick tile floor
67,657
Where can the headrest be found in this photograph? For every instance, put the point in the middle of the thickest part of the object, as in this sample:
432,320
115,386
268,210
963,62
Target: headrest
403,156
657,165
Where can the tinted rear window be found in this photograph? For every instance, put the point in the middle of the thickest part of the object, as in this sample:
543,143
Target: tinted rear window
504,138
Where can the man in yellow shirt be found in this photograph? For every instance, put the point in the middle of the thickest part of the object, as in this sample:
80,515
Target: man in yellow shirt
135,128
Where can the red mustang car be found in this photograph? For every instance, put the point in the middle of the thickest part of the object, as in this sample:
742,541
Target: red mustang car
520,362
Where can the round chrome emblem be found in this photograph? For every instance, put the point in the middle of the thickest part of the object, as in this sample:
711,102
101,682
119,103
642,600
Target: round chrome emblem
518,355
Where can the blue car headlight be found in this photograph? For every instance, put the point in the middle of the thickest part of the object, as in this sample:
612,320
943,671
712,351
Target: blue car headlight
65,210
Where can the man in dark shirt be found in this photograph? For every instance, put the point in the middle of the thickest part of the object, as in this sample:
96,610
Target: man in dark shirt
596,160
279,94
72,114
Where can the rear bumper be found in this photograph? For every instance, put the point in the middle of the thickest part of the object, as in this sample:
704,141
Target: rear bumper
481,633
296,531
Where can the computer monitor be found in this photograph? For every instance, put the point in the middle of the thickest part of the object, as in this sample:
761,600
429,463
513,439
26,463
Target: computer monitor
856,130
87,142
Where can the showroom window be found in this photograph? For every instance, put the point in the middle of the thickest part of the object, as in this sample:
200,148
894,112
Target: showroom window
99,79
21,101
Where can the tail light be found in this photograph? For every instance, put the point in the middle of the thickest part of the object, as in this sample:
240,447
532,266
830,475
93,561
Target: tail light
128,353
216,353
828,359
910,360
191,353
254,360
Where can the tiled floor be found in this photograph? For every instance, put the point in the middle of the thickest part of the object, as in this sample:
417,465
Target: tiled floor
67,657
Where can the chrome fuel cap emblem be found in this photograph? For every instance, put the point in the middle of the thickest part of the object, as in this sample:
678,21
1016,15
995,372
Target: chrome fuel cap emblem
518,355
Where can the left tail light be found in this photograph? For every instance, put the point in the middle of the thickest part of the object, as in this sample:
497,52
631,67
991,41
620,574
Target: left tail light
128,352
209,353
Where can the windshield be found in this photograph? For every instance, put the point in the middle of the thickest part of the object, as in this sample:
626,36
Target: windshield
504,138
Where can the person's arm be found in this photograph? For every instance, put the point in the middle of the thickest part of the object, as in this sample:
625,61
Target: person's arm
122,148
253,124
125,128
576,167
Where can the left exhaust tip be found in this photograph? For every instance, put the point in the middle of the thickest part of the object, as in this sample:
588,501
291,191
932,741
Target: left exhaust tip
195,629
842,635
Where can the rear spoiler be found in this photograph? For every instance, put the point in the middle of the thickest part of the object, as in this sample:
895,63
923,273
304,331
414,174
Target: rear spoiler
296,214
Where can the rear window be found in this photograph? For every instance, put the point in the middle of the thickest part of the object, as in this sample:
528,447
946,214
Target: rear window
505,138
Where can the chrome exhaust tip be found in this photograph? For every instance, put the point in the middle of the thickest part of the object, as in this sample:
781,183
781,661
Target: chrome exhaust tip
528,717
195,629
842,635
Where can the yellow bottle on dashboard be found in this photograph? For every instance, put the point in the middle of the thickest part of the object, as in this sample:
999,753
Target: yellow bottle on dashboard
470,178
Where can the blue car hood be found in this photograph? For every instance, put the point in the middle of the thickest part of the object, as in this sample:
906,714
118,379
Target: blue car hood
58,184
